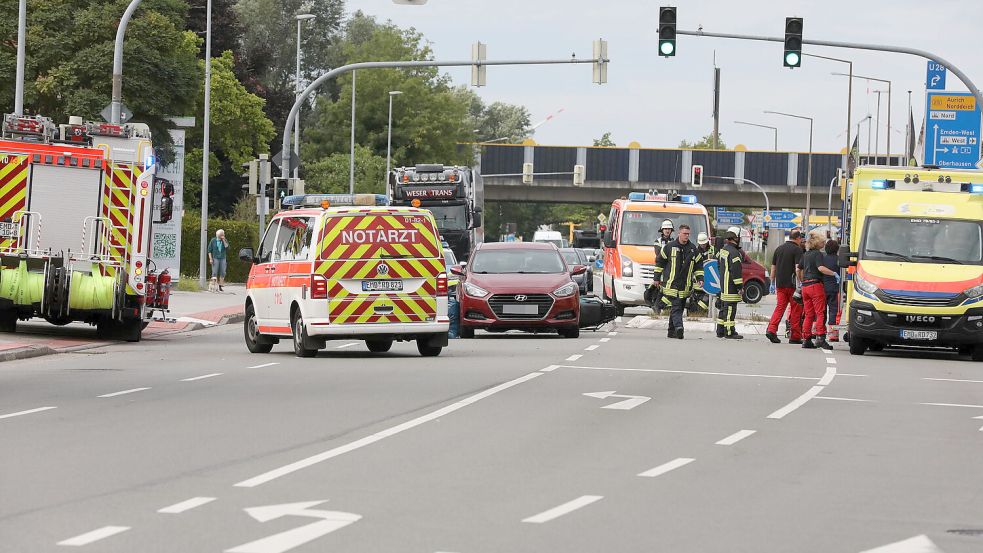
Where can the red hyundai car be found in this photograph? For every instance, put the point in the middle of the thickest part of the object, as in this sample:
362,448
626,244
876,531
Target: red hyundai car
518,286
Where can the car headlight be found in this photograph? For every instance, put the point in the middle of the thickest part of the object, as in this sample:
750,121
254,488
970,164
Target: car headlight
567,289
626,268
474,291
863,285
974,292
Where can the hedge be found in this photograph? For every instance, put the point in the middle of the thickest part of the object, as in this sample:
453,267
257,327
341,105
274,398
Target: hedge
240,234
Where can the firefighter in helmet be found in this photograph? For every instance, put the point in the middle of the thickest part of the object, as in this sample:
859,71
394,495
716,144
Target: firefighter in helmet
731,285
679,263
701,300
653,294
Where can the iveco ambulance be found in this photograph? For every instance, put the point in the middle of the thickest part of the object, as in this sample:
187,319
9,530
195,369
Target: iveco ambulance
915,259
347,267
630,237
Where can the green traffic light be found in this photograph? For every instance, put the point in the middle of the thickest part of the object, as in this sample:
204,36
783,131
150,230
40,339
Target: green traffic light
792,59
667,48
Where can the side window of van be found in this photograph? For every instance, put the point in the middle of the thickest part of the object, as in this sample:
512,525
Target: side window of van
615,224
269,240
294,240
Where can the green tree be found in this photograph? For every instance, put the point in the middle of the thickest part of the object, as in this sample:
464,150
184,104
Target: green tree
604,140
499,121
70,57
705,143
330,175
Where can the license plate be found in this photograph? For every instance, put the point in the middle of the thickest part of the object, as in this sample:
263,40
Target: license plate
382,285
8,230
514,309
919,335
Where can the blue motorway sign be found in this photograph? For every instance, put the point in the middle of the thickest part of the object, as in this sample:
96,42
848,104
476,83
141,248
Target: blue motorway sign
729,214
730,221
952,133
781,216
787,225
935,76
711,277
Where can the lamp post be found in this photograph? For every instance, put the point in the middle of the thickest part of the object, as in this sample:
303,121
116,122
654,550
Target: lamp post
389,133
763,127
301,18
206,139
861,122
805,215
888,106
351,158
849,96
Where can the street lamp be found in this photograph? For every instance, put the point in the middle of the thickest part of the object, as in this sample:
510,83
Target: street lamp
297,90
849,96
763,127
878,114
805,215
389,134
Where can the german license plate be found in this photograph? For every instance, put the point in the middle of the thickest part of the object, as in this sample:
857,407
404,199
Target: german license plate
919,335
382,285
8,230
520,309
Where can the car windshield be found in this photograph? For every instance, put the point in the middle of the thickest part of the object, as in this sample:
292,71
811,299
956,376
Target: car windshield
450,217
923,240
449,258
641,228
518,260
571,257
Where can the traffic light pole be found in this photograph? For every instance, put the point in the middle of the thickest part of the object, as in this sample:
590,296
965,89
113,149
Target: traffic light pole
856,46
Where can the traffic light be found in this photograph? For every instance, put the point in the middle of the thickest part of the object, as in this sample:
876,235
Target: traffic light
527,173
667,31
579,174
697,177
793,42
764,235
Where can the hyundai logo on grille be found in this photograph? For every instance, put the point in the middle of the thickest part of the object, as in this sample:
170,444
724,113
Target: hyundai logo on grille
382,269
919,319
521,297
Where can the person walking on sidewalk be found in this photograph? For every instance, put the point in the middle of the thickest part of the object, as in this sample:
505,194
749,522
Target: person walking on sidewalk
731,285
677,264
831,285
814,294
218,249
784,273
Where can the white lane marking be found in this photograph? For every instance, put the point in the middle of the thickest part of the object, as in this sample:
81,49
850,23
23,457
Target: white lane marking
124,392
954,380
797,402
28,412
629,403
917,544
827,352
186,505
953,405
846,399
574,357
612,333
853,375
707,373
591,348
666,467
831,360
560,510
263,365
202,377
347,345
328,521
736,437
979,418
381,435
828,377
605,340
94,536
549,369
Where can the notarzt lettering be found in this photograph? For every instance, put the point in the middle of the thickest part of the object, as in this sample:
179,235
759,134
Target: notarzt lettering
380,236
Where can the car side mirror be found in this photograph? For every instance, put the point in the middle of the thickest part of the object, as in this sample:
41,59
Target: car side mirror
608,239
247,255
591,258
476,219
846,259
457,270
578,270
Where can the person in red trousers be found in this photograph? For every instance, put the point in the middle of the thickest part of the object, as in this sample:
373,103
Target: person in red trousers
814,294
784,274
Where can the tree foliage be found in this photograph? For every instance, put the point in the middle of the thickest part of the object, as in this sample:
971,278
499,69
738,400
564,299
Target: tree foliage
705,143
499,122
529,216
605,140
330,175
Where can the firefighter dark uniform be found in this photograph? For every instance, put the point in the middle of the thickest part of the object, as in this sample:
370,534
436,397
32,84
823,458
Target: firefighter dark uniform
708,251
653,295
731,284
675,268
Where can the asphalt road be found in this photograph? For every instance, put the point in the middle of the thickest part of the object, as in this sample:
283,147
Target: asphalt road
492,447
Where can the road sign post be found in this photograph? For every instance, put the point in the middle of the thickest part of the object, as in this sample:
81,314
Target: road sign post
952,134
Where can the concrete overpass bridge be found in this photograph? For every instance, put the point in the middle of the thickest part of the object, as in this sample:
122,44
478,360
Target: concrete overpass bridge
614,172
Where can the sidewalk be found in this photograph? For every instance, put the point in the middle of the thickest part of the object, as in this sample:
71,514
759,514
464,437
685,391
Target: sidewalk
194,310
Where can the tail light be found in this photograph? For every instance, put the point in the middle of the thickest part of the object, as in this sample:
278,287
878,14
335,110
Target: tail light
442,284
319,287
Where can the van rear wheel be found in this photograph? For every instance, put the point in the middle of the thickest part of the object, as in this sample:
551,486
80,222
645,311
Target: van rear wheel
426,349
379,346
301,340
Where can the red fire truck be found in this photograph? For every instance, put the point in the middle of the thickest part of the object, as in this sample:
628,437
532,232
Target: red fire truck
76,204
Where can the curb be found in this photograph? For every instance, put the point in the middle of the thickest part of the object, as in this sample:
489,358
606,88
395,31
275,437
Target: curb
27,353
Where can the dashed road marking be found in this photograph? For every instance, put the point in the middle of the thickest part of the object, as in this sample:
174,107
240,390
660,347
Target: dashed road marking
94,536
605,340
592,347
560,510
954,380
574,357
202,377
263,365
666,467
612,333
827,352
549,369
28,412
736,437
124,392
953,405
186,505
831,360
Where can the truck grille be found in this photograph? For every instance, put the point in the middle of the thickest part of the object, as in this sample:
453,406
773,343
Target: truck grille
543,303
951,300
646,272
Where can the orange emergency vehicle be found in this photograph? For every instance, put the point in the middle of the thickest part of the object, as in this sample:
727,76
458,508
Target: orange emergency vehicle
630,237
335,267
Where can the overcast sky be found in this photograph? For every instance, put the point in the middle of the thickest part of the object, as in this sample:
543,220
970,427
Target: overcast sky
659,101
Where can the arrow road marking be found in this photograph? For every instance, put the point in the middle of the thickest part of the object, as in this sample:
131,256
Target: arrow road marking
285,541
917,544
629,403
979,418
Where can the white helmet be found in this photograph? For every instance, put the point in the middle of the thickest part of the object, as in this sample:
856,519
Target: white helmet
735,230
702,238
667,224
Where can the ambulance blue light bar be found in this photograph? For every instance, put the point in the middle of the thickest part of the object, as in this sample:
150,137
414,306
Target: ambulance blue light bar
881,184
976,188
642,197
335,200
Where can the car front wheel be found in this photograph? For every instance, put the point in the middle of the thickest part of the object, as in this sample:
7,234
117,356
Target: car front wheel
254,340
753,292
